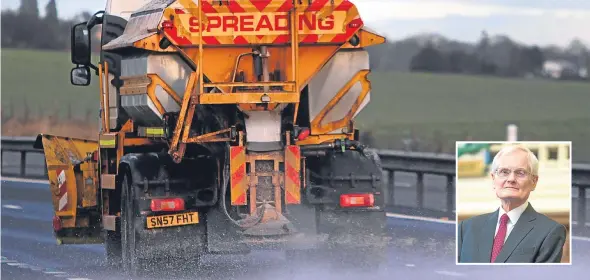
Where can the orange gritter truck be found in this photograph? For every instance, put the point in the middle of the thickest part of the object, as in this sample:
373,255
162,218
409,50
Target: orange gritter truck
225,127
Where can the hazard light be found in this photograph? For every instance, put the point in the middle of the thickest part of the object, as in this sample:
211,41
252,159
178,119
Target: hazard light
167,204
357,200
303,134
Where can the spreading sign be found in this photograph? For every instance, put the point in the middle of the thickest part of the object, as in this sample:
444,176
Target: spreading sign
264,24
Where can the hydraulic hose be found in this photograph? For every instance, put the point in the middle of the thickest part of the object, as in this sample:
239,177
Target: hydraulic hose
243,223
345,144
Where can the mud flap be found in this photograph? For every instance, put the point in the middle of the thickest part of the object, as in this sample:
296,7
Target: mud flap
356,234
73,182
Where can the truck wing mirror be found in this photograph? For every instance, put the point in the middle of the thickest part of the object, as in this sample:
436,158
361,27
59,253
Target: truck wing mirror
80,44
80,76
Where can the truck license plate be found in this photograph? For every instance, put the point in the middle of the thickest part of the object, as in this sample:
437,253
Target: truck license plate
173,220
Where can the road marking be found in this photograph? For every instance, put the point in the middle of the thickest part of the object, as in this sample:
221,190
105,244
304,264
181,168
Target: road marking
581,238
450,273
410,265
576,223
12,206
21,180
392,215
6,260
48,271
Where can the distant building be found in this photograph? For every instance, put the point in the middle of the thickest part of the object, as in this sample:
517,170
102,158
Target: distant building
557,68
563,69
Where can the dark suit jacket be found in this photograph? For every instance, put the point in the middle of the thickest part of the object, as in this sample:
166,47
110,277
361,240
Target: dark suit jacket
534,239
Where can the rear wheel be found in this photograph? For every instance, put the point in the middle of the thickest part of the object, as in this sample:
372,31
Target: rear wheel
159,249
130,261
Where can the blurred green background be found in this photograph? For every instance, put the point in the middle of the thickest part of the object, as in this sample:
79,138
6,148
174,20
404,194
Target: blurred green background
410,111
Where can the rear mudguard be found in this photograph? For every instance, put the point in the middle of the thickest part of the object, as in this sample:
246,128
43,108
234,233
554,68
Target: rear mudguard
347,172
344,173
158,176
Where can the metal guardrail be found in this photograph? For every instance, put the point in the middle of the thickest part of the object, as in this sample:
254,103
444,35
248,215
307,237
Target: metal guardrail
23,146
392,162
581,181
419,164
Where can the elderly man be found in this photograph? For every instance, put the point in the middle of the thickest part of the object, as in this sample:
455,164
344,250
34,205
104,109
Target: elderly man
515,233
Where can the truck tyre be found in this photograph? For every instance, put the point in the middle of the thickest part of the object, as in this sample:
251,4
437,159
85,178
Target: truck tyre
129,256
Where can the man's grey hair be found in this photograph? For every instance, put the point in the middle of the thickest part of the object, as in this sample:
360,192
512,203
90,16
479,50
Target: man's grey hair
532,159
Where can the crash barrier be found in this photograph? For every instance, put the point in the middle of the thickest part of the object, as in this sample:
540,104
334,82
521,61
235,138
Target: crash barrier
21,159
405,174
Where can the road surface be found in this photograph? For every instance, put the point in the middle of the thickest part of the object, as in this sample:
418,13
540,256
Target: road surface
420,249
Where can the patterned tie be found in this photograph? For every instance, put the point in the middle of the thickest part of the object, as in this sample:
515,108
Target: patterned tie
499,239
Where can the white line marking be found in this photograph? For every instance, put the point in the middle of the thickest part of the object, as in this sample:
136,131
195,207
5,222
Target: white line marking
6,260
35,268
21,180
581,238
576,223
12,206
450,273
410,265
59,274
392,215
53,272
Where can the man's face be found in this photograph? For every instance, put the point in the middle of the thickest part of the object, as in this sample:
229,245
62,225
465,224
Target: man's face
513,180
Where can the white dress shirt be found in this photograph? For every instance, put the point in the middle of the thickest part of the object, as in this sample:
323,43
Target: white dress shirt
513,217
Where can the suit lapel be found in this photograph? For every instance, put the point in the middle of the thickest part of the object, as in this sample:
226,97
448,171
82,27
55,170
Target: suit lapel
521,229
486,238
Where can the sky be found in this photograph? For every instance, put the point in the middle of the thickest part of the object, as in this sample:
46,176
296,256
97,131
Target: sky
540,22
